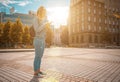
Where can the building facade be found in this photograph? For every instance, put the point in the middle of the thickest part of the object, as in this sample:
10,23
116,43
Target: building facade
57,39
26,19
92,24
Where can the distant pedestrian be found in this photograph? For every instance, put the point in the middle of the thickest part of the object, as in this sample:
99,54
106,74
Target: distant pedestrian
39,39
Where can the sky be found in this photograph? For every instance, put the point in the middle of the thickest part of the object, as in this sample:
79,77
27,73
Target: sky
57,10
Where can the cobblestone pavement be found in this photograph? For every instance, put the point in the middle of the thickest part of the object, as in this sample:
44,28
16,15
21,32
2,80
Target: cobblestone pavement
67,65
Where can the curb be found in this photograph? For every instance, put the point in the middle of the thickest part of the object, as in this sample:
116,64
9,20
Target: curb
15,50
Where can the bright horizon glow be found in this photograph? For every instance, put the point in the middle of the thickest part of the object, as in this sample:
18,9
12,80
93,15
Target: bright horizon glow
58,15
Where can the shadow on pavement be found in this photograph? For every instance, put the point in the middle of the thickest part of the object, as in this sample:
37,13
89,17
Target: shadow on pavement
34,79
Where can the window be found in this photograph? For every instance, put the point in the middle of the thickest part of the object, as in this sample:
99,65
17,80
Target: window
72,39
77,20
94,11
82,9
113,23
89,18
105,21
113,30
90,39
77,39
89,28
100,20
109,22
82,3
82,27
95,28
96,39
100,28
77,27
114,39
82,18
99,5
82,39
99,12
105,7
117,23
89,2
94,4
95,19
73,30
88,10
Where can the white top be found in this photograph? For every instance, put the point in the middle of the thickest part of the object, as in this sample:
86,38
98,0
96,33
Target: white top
39,27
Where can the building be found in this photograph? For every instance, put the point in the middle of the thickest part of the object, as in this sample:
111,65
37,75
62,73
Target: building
92,23
57,39
26,19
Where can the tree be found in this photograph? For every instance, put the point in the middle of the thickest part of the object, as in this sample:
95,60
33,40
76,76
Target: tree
26,36
16,32
32,34
64,36
49,35
6,32
1,32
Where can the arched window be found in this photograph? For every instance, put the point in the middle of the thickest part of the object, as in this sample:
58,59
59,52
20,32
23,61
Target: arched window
82,38
96,39
90,39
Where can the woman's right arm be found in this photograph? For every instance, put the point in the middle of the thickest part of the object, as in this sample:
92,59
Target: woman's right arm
42,27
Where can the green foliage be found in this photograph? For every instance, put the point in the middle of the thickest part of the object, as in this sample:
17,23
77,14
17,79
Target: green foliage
49,35
16,32
1,32
1,29
5,35
26,36
16,35
32,34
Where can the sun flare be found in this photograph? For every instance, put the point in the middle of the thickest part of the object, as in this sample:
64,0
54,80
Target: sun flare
58,16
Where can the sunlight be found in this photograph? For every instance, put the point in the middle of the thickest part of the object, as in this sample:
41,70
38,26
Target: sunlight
50,79
58,15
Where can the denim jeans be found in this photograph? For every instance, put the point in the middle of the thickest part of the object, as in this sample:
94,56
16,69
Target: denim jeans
39,44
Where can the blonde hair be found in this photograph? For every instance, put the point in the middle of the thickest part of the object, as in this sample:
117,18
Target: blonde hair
41,12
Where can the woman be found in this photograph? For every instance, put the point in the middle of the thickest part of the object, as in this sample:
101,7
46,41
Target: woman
39,39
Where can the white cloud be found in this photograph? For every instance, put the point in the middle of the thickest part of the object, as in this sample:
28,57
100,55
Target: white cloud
23,3
20,3
5,3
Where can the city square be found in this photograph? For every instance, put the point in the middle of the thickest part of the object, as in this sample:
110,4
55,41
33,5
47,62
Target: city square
80,40
62,65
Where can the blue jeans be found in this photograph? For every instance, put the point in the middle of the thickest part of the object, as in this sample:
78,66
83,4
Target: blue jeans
39,44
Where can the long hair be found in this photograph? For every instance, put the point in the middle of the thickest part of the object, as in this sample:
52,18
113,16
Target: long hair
41,12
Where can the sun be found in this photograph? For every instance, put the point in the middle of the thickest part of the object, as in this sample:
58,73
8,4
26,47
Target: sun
58,16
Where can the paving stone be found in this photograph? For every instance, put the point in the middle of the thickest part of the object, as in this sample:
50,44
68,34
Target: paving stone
75,64
12,75
115,72
117,78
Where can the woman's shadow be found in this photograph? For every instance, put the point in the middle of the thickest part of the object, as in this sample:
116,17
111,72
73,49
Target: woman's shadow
34,79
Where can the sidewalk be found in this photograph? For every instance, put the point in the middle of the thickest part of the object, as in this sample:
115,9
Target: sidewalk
15,72
62,65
